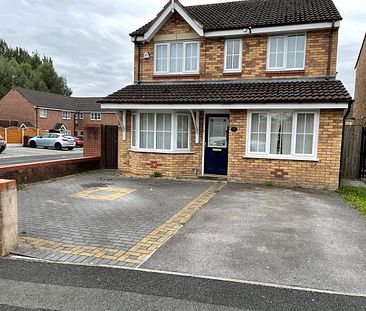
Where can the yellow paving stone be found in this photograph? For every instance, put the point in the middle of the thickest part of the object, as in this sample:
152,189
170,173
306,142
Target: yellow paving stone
114,193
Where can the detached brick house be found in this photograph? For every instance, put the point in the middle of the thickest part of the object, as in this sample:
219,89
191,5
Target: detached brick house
359,106
52,111
244,89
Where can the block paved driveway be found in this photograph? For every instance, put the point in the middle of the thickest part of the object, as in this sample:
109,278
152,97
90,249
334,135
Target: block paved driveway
102,218
273,235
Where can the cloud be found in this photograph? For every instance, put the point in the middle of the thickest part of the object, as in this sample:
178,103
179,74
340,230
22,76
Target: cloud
89,42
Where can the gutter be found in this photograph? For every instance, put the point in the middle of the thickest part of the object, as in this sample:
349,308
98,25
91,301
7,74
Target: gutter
138,61
330,47
348,111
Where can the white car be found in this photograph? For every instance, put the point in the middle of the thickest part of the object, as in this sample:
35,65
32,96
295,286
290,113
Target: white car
53,140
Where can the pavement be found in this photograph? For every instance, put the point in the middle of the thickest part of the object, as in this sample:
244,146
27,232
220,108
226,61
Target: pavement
26,285
273,235
19,155
102,218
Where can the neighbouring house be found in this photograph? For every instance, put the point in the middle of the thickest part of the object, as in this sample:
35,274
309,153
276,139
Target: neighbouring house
29,108
359,106
245,90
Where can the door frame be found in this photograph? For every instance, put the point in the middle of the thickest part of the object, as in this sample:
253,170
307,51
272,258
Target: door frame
205,113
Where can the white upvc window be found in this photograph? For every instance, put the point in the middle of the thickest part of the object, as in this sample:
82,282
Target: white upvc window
66,115
95,116
81,115
43,113
282,134
160,131
286,52
233,55
177,57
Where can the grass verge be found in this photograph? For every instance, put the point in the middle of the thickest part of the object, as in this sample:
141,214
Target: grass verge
355,196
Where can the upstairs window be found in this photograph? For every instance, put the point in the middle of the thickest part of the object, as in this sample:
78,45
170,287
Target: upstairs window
66,115
233,55
80,115
43,113
95,116
177,57
286,52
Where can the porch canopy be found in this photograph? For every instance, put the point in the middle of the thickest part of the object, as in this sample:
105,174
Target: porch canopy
240,94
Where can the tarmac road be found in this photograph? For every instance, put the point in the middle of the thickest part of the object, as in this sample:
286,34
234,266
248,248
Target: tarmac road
29,285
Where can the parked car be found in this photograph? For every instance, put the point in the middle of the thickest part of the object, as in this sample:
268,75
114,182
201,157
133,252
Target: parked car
53,140
2,144
78,142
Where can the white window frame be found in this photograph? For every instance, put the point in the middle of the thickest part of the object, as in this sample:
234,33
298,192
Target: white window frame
81,115
226,70
168,44
43,113
95,116
66,115
284,68
293,155
174,125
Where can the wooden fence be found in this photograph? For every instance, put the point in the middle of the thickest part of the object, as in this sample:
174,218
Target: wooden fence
351,153
15,135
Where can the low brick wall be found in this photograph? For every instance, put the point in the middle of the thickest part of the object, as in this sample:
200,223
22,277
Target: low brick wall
8,217
34,172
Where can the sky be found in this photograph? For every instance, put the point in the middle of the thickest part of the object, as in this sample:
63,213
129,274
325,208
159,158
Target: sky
89,42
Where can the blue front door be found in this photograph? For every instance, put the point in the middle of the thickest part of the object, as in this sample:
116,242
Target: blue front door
216,144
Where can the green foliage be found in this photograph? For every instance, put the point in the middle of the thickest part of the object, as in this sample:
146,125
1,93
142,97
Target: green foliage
21,187
269,183
156,175
19,68
355,196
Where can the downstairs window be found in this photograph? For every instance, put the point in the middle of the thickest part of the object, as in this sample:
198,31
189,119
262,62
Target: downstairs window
282,134
163,131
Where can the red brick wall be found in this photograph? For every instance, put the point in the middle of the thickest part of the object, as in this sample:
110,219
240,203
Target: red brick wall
359,106
53,117
93,141
14,106
34,172
107,119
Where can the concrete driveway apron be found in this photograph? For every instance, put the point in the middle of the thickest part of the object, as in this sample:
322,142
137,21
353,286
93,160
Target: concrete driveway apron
105,219
272,235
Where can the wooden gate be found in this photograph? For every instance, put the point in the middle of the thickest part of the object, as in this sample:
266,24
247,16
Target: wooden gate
352,151
110,146
363,154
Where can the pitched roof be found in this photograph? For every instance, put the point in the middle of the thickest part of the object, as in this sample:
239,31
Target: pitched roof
47,100
56,101
88,103
230,92
359,54
256,13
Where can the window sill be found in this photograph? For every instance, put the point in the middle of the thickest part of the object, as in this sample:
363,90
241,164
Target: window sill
194,76
288,158
162,151
270,72
232,73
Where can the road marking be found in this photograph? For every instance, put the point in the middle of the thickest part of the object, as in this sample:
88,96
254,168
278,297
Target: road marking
143,249
114,193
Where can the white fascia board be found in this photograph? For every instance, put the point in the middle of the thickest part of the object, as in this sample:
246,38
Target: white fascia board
55,109
165,16
271,30
159,23
340,105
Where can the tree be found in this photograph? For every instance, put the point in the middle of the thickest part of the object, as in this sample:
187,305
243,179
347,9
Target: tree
19,68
